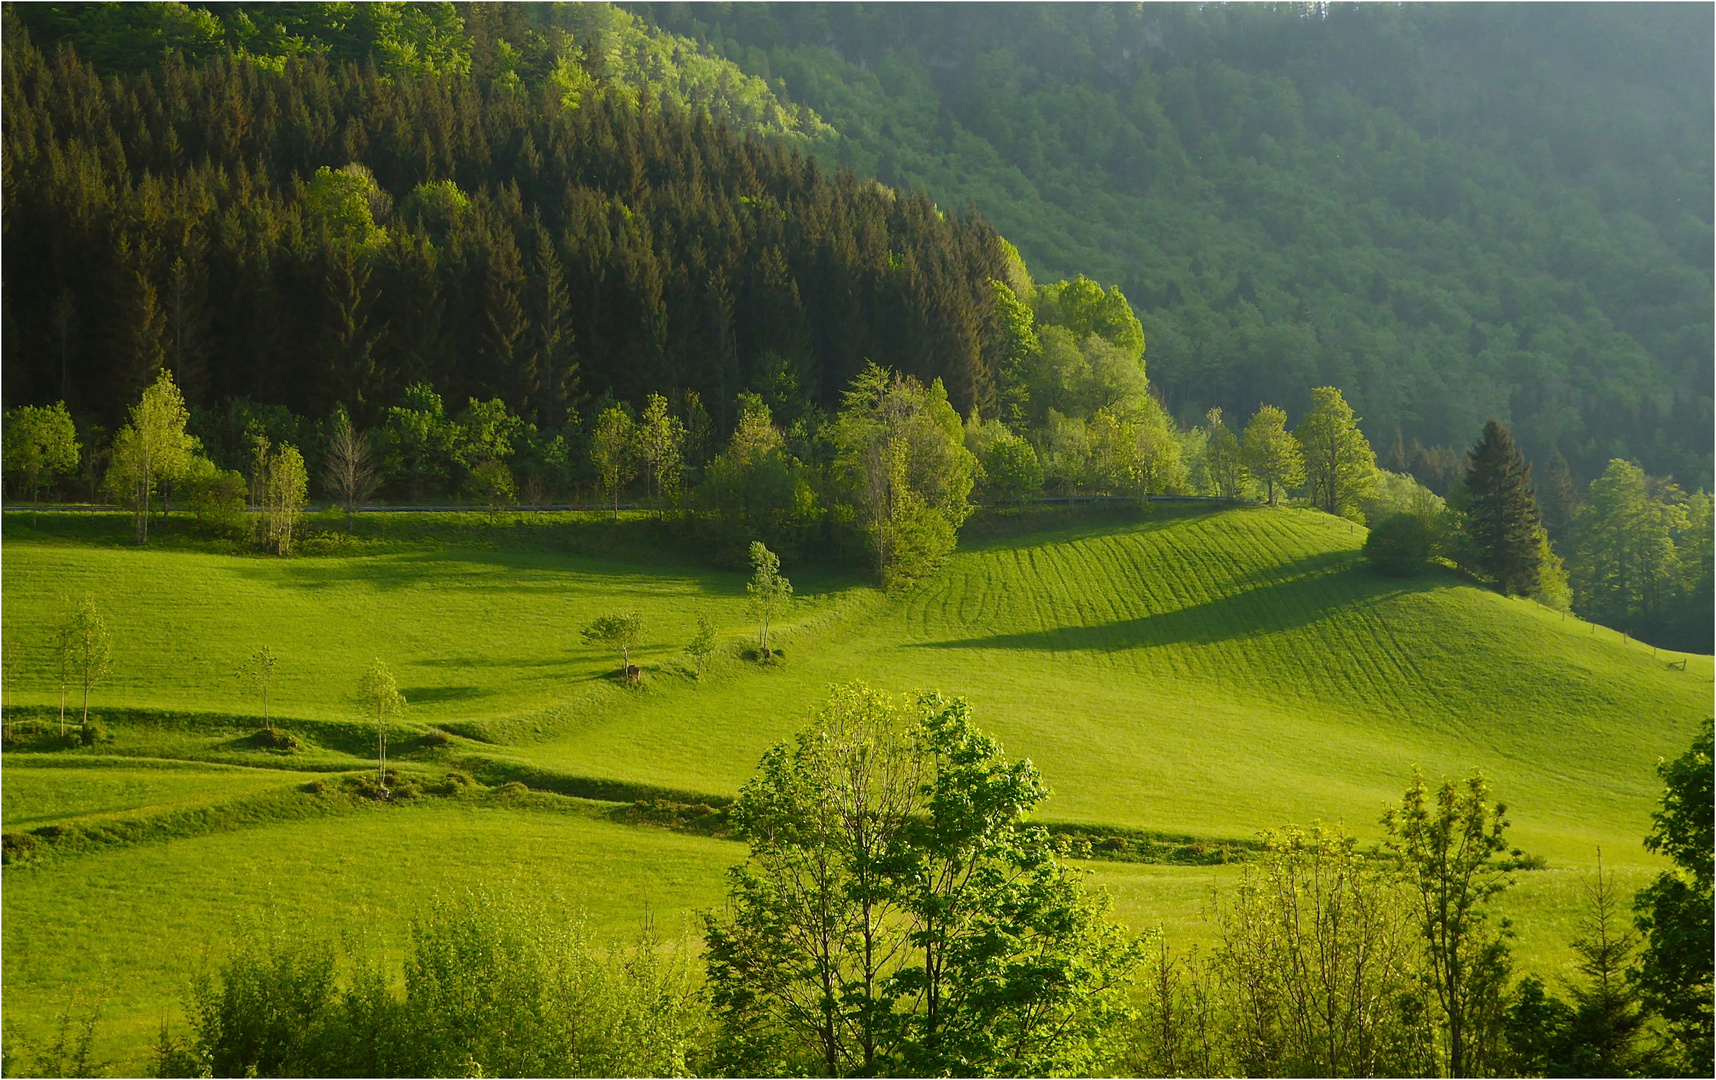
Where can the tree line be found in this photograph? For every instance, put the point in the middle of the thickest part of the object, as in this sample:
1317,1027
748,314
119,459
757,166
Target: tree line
314,233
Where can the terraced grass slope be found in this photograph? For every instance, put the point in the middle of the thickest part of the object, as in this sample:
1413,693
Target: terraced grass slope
1187,670
1190,671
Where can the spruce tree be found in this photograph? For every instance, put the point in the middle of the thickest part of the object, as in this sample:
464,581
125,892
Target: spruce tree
1557,498
1501,512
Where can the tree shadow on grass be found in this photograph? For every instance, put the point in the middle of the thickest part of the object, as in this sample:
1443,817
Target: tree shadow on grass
1253,612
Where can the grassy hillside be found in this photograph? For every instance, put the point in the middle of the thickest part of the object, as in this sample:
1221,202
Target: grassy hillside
1210,673
1187,671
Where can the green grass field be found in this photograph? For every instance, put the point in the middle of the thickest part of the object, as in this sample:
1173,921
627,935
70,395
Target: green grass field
1208,673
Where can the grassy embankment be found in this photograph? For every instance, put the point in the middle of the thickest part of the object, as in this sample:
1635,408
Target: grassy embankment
1193,673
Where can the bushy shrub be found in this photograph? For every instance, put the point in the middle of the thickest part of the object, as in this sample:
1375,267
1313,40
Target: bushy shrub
493,987
1010,470
93,732
1401,545
273,738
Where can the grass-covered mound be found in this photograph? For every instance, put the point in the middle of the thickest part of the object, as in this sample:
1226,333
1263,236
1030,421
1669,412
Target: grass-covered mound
1183,677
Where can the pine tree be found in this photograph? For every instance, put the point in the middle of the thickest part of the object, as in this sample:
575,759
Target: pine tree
1501,512
1557,498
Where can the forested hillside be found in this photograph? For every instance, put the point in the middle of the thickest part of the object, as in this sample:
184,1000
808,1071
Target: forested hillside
1454,212
306,231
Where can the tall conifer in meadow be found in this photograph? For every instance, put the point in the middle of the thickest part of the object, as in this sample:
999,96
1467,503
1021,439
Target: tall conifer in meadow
1501,512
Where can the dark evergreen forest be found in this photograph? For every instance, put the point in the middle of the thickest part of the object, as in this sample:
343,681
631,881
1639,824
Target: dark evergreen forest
1455,212
539,241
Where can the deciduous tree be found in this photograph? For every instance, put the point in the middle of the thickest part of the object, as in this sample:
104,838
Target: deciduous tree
40,442
1447,845
1272,455
1340,468
1675,910
152,446
348,471
379,695
90,648
612,451
769,592
702,644
619,633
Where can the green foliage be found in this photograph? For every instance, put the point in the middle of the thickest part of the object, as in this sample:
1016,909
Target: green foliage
702,644
1501,514
1340,468
612,451
1675,910
1401,545
419,440
769,592
1448,853
346,202
492,986
1008,468
1284,191
1638,564
152,447
897,914
756,487
904,471
1272,455
39,443
1317,954
619,633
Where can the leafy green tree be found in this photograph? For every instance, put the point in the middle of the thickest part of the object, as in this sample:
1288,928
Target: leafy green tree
1401,544
152,446
1225,458
1626,561
1272,455
88,647
1448,849
1675,910
661,450
756,487
1316,951
612,451
40,442
901,461
378,694
1340,468
346,202
897,915
1011,469
287,489
419,440
619,633
1016,332
769,592
702,644
1501,513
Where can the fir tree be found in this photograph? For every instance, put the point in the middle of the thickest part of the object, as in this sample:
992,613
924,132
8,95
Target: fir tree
1557,498
1501,512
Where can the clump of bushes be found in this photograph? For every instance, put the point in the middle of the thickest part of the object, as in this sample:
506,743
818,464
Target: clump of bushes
434,739
93,732
1401,545
275,739
493,987
512,788
453,783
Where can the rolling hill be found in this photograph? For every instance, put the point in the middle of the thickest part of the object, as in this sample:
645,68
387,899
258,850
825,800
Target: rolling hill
1186,671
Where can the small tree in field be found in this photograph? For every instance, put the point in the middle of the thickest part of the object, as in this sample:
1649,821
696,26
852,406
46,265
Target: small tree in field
619,633
769,591
611,451
379,694
87,651
259,669
1272,455
287,490
703,644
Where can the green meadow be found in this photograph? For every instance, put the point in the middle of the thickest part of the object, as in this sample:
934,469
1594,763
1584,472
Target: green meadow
1177,671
